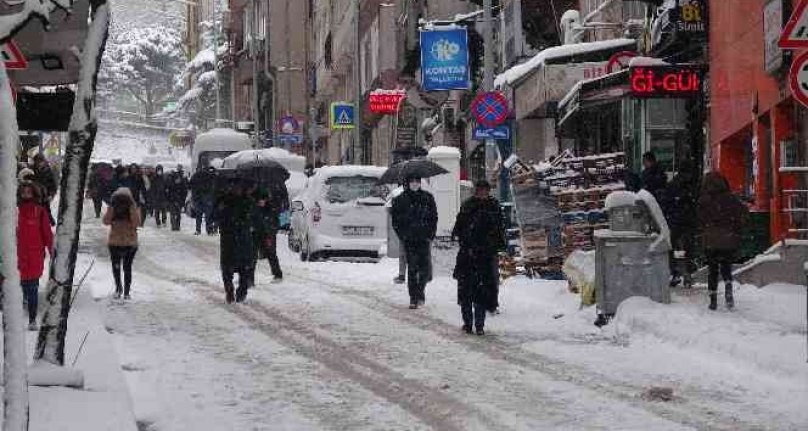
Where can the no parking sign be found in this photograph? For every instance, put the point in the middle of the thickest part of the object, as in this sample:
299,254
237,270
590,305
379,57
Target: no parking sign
798,78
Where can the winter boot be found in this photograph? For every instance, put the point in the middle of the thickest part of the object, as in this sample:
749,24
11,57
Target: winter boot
413,304
713,301
228,294
480,331
467,329
729,297
400,280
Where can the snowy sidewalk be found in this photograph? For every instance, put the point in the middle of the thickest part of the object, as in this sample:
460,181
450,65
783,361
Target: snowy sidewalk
104,404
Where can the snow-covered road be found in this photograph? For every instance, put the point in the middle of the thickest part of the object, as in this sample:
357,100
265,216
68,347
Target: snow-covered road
334,347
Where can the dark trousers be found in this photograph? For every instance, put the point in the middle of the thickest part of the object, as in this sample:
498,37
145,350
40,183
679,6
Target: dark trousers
718,261
160,216
30,290
176,216
97,205
122,258
204,210
419,269
269,248
245,280
683,240
477,290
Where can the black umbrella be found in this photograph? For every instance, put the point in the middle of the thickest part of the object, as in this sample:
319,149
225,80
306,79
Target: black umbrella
420,168
262,170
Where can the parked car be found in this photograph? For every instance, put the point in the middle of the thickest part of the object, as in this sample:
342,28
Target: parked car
340,213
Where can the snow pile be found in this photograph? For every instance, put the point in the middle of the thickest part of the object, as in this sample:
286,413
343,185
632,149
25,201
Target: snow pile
663,242
510,76
764,344
620,199
579,268
444,152
43,373
205,57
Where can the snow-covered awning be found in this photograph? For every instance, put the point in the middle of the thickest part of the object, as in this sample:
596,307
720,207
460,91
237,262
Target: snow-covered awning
588,94
544,80
558,54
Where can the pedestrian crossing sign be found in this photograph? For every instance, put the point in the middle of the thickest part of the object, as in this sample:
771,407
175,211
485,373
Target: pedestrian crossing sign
342,115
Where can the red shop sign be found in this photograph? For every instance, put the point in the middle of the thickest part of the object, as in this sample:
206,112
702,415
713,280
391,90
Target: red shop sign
666,81
386,102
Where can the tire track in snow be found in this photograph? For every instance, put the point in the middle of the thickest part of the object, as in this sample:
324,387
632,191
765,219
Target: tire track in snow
695,413
439,411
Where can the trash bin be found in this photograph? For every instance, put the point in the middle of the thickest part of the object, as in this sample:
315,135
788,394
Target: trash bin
632,256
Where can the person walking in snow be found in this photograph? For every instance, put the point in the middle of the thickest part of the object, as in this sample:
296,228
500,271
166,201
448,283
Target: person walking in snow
266,223
679,205
203,190
481,234
415,221
34,238
177,194
46,178
234,211
123,217
159,195
722,217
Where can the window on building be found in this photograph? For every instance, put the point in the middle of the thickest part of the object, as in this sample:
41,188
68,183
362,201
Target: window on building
248,27
327,54
633,10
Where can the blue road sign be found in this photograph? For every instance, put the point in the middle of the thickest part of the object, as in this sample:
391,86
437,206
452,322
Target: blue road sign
290,139
499,133
444,59
342,115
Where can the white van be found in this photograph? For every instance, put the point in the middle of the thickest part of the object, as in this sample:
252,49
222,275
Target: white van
340,213
217,144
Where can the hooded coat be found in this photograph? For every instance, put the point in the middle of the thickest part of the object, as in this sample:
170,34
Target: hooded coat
34,237
481,234
721,215
123,232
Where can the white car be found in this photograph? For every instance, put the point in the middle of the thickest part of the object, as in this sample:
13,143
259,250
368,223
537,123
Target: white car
340,213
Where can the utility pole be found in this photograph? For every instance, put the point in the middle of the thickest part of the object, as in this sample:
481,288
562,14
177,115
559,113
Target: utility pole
357,141
491,149
216,24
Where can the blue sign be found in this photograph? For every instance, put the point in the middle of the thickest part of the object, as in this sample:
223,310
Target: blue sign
342,115
499,133
444,59
290,139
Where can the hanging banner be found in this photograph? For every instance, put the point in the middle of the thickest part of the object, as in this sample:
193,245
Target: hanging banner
444,59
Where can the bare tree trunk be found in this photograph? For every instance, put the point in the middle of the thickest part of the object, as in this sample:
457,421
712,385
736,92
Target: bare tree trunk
15,395
83,128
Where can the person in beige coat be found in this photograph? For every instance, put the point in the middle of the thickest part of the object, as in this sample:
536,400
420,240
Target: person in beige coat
123,217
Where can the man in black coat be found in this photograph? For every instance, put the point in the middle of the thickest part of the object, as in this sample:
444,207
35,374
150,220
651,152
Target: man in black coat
481,234
266,221
679,204
159,195
415,221
203,190
653,176
234,212
177,193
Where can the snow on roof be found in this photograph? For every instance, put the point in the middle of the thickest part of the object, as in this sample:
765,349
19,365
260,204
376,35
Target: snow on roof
647,62
443,150
519,71
222,139
350,171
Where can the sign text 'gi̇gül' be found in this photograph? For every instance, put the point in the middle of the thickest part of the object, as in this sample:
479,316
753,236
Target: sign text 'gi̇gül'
665,81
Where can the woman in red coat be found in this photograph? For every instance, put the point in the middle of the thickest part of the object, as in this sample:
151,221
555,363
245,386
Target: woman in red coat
34,238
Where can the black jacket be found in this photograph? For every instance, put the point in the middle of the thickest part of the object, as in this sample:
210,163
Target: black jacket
265,219
177,189
721,215
481,234
679,203
235,220
158,192
203,185
654,180
415,216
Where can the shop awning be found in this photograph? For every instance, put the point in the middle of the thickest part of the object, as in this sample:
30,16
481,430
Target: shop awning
542,81
591,94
